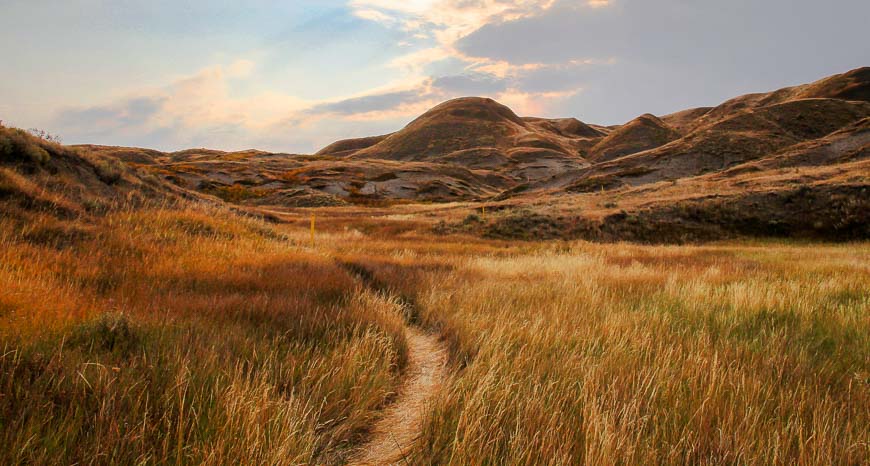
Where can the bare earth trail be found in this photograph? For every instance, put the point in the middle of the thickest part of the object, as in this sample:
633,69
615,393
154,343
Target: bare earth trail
392,437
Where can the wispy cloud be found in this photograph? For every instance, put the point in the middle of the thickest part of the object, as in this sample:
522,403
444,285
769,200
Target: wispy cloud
447,22
189,110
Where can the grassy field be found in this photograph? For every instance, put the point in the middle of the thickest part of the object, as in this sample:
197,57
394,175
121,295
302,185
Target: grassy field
192,336
196,336
617,354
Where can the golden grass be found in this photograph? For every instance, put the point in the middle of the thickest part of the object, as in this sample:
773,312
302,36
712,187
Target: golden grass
654,355
187,336
197,336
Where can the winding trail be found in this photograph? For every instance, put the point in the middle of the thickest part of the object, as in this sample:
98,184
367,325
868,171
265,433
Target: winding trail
392,437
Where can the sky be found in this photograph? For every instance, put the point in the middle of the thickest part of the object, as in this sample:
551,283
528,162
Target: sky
296,75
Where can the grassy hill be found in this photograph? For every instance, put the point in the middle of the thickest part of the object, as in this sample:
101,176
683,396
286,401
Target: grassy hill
700,174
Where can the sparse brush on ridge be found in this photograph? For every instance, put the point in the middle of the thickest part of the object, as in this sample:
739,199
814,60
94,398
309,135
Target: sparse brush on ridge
17,144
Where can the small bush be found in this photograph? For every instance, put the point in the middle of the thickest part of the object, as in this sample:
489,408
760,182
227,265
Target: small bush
96,205
110,333
236,193
16,144
472,218
45,135
442,228
6,146
36,154
528,226
109,171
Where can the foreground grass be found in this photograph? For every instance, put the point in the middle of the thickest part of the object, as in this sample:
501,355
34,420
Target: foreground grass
654,355
184,336
196,336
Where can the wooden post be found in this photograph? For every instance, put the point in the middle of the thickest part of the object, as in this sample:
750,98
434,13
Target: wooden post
483,212
312,230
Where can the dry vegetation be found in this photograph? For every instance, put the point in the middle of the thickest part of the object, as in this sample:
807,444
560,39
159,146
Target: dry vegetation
580,353
654,355
197,336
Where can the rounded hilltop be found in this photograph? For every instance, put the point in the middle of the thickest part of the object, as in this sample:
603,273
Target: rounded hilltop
458,124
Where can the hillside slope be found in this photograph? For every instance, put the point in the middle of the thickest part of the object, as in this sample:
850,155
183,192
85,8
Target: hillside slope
747,135
643,133
747,153
39,176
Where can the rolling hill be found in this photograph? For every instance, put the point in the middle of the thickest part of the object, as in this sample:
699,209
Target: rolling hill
701,173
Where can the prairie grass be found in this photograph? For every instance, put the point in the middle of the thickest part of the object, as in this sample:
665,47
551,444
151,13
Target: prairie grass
753,352
618,354
184,336
198,336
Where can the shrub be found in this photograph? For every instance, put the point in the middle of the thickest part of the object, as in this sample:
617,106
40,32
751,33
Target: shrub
526,225
109,171
110,333
236,193
472,218
36,154
45,135
16,144
6,146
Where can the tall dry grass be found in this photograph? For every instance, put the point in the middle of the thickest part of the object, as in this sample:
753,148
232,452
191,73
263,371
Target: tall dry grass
184,336
197,336
617,354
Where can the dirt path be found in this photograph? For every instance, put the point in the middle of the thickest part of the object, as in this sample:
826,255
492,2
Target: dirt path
393,437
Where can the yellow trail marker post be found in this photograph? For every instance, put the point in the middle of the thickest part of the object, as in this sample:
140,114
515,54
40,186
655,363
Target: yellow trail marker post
312,230
483,212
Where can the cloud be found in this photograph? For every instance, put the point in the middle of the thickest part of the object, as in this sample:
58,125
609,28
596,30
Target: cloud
614,59
664,32
241,68
477,84
448,23
132,120
210,108
415,62
559,78
193,110
641,56
203,110
370,103
445,21
563,33
534,103
374,15
129,113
